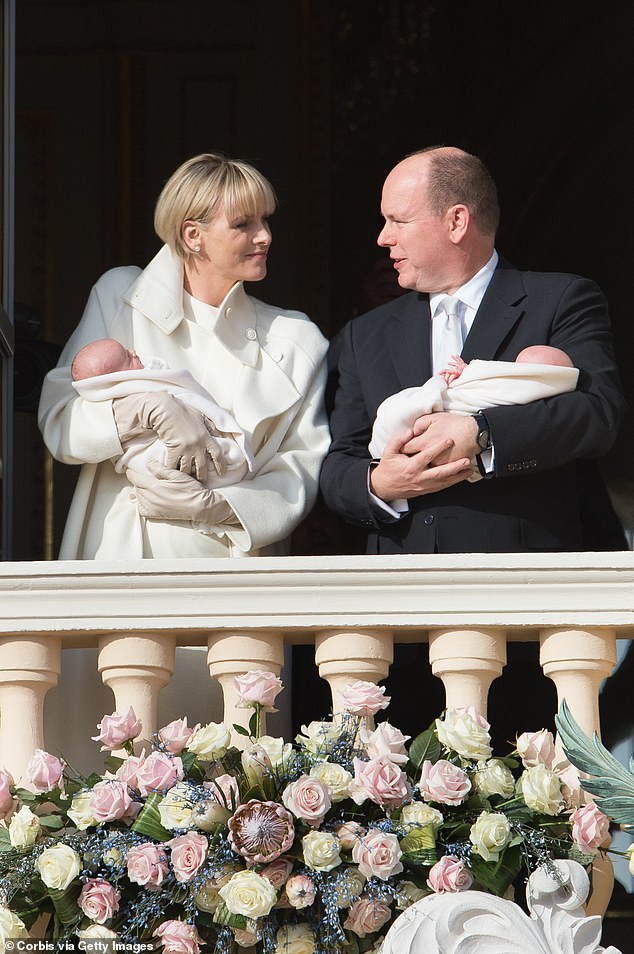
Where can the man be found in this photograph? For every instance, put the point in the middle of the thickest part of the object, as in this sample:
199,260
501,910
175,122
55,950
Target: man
441,214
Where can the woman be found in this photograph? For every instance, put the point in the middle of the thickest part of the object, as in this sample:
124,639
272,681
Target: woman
265,365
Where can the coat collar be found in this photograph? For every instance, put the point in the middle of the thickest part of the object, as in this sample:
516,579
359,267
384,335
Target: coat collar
500,309
158,294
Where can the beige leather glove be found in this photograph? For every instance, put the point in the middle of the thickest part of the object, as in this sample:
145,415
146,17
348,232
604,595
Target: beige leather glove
169,495
186,433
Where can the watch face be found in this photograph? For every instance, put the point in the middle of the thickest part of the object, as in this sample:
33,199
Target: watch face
483,438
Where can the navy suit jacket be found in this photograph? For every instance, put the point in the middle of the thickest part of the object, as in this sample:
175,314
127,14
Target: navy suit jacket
532,501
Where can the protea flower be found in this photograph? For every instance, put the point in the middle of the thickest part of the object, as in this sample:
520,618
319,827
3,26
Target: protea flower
261,831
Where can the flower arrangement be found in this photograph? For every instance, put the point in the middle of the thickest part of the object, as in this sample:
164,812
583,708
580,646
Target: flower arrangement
315,845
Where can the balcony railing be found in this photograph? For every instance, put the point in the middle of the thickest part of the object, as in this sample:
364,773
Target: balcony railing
352,608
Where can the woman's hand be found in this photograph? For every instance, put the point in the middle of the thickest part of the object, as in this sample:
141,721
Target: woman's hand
186,433
166,494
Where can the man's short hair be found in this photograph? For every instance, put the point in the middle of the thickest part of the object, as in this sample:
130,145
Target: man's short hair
457,177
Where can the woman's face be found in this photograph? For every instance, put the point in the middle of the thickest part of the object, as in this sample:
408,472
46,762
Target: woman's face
234,251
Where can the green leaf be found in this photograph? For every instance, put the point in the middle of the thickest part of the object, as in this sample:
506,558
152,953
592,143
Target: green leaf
112,763
5,840
148,821
425,747
240,729
65,903
496,877
222,915
51,821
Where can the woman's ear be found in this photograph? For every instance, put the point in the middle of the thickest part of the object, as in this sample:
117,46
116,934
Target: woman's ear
192,235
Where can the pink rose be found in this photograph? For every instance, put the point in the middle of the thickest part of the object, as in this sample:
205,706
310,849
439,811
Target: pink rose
349,834
127,771
99,900
43,772
117,729
444,782
159,772
449,875
300,891
570,787
381,781
6,798
277,872
536,748
364,698
111,801
258,687
308,799
386,740
589,828
378,855
147,864
366,916
224,789
189,853
178,936
176,735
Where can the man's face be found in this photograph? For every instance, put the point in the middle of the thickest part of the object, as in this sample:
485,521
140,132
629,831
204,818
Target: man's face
417,238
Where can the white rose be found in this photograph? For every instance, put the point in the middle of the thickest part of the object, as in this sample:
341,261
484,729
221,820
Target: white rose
421,814
208,815
464,732
295,939
80,812
210,741
319,737
407,893
176,808
490,835
334,777
94,931
541,790
249,894
24,828
58,866
349,886
321,850
11,927
278,751
493,778
630,856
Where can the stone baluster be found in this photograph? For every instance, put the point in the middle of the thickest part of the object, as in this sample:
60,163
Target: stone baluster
344,657
467,661
234,653
29,667
578,660
136,667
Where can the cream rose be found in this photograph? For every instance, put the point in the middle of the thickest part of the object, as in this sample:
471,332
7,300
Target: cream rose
210,742
278,751
490,835
295,939
407,893
24,828
321,850
349,886
464,731
96,932
319,737
176,809
421,814
80,811
334,777
541,790
249,894
493,778
630,858
11,927
58,866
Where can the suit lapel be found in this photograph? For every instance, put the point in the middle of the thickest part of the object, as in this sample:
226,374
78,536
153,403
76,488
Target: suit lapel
408,340
500,310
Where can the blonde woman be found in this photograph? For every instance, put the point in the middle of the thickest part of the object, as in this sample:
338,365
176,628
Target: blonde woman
266,366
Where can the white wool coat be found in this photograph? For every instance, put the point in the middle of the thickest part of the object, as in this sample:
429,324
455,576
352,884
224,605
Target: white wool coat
265,365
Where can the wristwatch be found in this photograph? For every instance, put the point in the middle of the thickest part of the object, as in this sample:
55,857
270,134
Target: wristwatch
483,437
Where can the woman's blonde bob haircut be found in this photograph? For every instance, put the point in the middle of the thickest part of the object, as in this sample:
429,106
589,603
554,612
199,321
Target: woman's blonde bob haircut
199,187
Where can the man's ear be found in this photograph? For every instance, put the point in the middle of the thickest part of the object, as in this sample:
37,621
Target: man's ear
459,218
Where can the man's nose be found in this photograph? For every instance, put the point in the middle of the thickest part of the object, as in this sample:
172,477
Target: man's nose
384,237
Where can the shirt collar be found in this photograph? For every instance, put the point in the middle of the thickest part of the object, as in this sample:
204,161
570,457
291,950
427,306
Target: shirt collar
472,292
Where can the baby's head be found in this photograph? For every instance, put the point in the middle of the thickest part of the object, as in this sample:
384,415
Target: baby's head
544,354
103,357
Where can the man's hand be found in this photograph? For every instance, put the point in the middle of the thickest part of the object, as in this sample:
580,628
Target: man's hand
408,473
459,429
186,433
170,495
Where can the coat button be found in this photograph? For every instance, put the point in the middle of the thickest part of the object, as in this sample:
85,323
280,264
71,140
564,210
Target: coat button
251,334
428,519
228,312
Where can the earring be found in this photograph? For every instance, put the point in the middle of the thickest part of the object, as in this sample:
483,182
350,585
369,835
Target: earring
197,248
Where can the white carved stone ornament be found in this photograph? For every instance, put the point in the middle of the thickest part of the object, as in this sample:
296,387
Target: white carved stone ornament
472,922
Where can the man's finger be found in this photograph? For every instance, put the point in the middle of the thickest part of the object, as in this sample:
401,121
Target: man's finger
396,444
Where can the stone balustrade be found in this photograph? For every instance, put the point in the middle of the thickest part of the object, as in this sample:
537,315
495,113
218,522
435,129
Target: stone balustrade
352,608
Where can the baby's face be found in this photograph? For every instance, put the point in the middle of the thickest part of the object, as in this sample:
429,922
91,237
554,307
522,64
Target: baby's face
130,360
